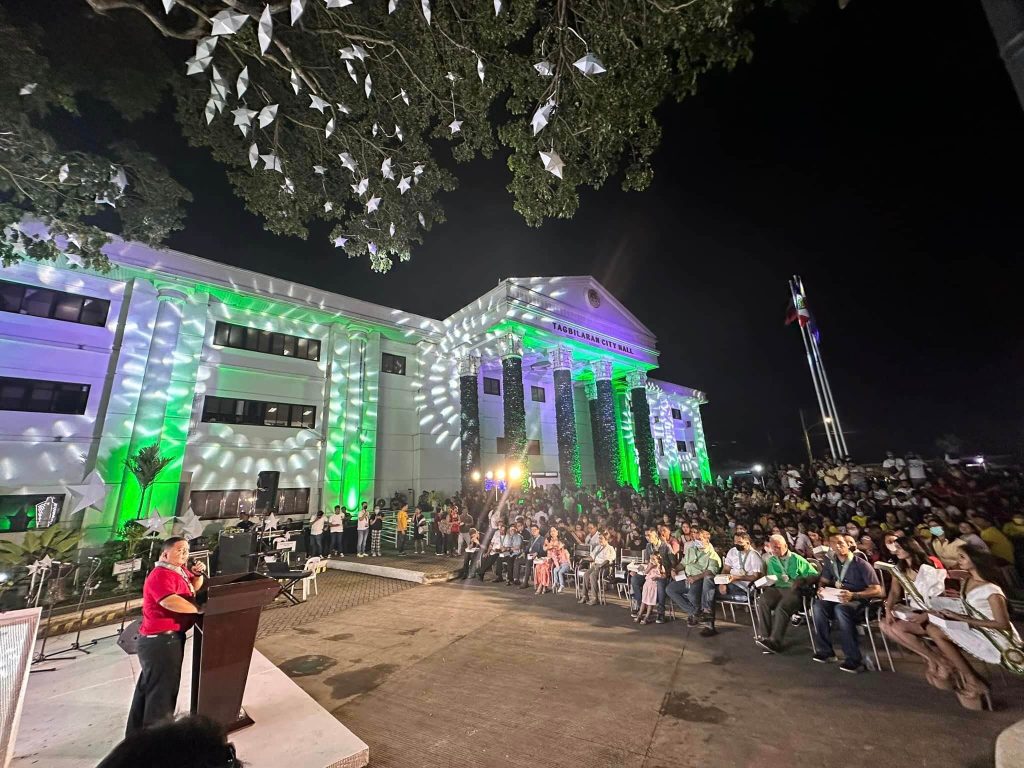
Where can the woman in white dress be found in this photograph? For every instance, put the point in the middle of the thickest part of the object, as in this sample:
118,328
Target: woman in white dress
978,623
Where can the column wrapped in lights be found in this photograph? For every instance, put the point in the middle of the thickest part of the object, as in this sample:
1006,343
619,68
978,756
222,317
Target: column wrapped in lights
700,443
513,403
643,439
609,459
600,471
469,431
570,473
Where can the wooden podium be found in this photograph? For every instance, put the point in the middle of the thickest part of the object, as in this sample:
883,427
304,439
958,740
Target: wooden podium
222,645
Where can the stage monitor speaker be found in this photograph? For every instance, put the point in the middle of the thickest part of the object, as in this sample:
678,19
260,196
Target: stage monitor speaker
233,553
266,492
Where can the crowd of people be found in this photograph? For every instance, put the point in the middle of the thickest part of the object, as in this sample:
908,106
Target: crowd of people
934,551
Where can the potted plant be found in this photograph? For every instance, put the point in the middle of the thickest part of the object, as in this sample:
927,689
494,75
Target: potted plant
146,465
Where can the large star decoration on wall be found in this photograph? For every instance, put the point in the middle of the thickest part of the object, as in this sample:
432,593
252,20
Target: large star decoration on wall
91,493
154,523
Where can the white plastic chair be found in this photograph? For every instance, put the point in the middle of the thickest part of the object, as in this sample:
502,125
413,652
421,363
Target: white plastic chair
313,565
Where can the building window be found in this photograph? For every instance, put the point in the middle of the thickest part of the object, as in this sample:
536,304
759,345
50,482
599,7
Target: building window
53,305
657,419
681,446
492,386
392,364
218,505
43,396
689,424
677,414
228,410
537,394
532,447
267,342
661,447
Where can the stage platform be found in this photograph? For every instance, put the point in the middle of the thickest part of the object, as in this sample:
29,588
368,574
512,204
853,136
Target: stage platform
420,569
74,715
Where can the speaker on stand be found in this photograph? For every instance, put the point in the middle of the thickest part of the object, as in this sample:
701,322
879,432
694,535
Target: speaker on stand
266,492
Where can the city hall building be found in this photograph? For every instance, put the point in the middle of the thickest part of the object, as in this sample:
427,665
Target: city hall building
232,373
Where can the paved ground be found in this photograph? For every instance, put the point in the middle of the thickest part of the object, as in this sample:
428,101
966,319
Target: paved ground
469,674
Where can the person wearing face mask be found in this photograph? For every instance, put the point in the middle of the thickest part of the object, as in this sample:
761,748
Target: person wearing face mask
857,584
743,565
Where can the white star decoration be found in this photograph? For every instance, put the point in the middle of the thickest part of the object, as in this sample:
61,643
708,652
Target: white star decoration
455,126
227,22
315,102
339,242
267,115
404,185
92,493
361,187
552,163
372,204
347,161
191,525
266,29
242,83
589,65
154,523
540,117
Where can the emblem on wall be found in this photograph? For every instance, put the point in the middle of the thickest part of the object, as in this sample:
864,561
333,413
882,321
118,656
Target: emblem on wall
593,298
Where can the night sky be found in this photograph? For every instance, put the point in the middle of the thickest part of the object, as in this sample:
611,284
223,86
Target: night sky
875,151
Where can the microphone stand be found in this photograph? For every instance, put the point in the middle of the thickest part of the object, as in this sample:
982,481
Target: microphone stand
42,655
88,588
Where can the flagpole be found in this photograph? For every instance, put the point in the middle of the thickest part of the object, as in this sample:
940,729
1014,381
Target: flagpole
827,388
810,366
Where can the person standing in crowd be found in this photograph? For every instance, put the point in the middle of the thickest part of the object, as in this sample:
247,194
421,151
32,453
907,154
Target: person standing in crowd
362,531
857,584
465,524
439,530
419,532
337,526
780,601
316,534
649,599
401,527
168,611
451,544
376,529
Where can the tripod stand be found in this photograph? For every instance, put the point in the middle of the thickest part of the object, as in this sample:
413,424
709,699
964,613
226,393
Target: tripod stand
88,588
51,595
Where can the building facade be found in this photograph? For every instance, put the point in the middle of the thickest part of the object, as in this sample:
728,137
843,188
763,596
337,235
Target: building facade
231,373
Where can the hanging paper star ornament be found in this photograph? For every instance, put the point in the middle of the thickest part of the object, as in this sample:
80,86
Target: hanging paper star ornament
455,126
315,102
541,116
347,161
227,22
392,6
288,186
552,163
296,83
27,89
191,525
372,204
404,185
271,522
91,493
361,187
480,68
368,85
267,115
329,128
266,29
544,68
398,132
243,118
254,155
328,206
203,57
425,6
75,260
418,169
391,229
339,242
423,221
338,3
374,129
385,169
352,72
497,7
62,174
168,4
319,170
343,109
271,163
154,523
242,83
589,65
405,96
297,7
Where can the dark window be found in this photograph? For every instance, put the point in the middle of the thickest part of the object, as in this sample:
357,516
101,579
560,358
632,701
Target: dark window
228,410
537,394
533,447
392,364
661,447
492,386
657,419
267,342
43,396
689,424
677,414
681,446
214,505
501,446
55,305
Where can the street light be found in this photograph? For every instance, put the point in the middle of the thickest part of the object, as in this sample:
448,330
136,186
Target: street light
501,474
758,469
476,475
489,475
515,472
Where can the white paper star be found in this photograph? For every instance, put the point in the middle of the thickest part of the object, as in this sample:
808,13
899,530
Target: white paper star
455,126
154,523
210,111
398,132
328,206
254,155
62,174
329,128
92,493
391,229
392,6
75,240
271,522
423,221
374,129
352,72
296,83
425,6
418,169
480,68
27,88
372,248
74,259
288,186
242,83
267,115
227,22
372,204
347,161
343,109
552,163
404,185
338,3
368,85
297,7
271,163
544,68
191,526
319,170
168,4
315,102
540,117
404,96
361,187
243,118
589,65
203,57
452,77
266,29
497,7
385,169
339,242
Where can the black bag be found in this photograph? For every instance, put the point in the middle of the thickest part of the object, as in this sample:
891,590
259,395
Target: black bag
128,639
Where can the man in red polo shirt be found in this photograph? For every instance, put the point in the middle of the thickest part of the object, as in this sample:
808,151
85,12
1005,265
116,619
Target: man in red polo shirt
168,610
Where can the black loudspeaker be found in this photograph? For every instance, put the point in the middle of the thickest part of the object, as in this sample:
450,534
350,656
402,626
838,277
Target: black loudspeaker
233,553
266,492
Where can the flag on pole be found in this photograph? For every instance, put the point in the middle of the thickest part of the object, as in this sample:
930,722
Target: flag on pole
799,312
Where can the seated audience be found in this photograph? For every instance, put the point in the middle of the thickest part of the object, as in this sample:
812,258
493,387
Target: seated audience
700,563
784,597
743,565
602,557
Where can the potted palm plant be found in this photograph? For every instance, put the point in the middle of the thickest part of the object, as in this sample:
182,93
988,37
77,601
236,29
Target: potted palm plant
146,465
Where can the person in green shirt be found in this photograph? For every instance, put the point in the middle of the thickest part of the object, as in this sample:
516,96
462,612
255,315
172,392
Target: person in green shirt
693,594
780,601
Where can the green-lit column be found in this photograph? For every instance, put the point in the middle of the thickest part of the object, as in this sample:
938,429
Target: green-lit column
609,460
469,419
360,451
155,395
513,405
570,474
629,466
334,426
699,443
181,389
643,438
600,464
